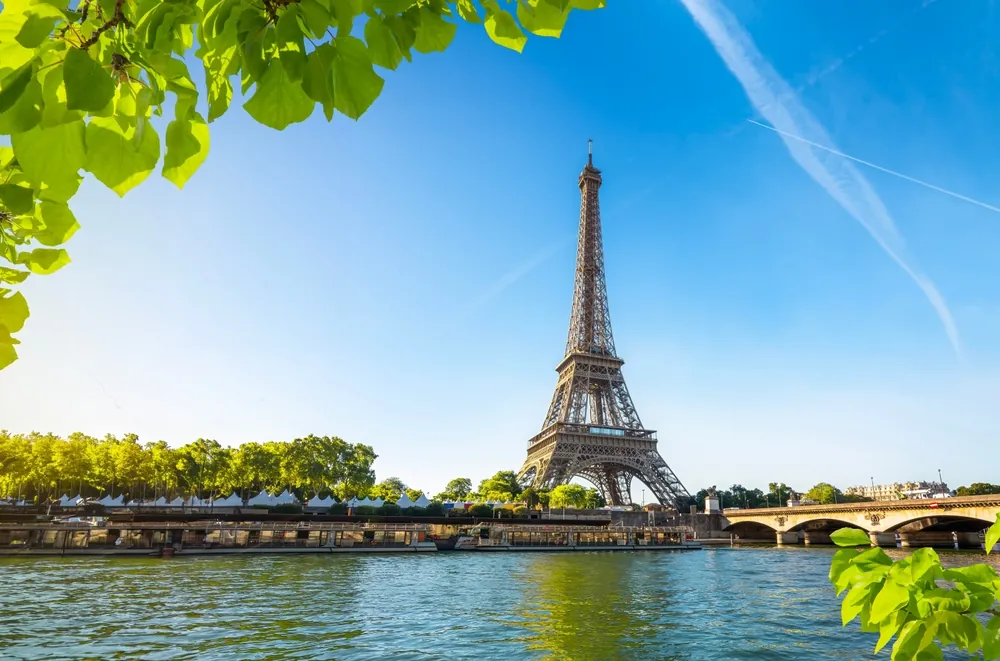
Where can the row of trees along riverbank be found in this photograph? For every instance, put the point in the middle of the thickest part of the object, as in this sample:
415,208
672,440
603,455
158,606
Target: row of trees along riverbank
37,467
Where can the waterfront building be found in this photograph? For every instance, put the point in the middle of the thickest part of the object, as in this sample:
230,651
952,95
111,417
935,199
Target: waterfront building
901,490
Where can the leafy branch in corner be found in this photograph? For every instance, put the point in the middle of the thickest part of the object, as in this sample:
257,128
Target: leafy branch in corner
923,606
91,100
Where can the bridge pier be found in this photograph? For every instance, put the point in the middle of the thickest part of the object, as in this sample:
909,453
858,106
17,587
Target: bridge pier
969,540
940,540
884,539
810,537
787,538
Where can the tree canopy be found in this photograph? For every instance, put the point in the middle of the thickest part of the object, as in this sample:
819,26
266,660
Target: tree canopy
83,88
460,487
45,465
575,495
978,489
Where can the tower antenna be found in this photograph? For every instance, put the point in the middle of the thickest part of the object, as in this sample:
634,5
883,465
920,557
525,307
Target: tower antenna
590,153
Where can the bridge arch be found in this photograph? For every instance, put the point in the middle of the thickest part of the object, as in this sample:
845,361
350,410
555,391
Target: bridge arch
751,530
939,523
827,524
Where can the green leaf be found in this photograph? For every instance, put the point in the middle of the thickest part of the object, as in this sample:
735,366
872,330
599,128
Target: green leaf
993,535
872,558
842,559
502,28
55,111
88,85
14,84
26,111
7,354
991,640
433,32
317,82
382,45
946,600
52,157
850,537
889,599
41,18
393,7
467,10
44,261
956,629
13,312
889,628
277,101
587,4
355,83
855,601
980,574
910,641
403,32
316,16
12,19
344,12
291,47
925,565
17,199
12,276
541,17
60,223
187,147
121,157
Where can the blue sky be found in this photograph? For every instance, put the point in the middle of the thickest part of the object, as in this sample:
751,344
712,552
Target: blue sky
405,280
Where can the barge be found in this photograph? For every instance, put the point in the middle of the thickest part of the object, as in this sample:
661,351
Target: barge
99,536
572,538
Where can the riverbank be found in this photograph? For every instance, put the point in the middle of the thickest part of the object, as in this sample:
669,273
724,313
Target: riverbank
175,538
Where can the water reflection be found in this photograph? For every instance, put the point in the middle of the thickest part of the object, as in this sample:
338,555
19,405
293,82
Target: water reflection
594,606
713,605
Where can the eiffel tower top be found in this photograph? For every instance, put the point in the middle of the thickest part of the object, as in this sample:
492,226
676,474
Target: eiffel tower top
590,321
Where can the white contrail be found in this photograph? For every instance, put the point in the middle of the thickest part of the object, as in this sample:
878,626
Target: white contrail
776,102
959,196
515,274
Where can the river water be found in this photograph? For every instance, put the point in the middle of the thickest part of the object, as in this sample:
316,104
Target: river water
758,604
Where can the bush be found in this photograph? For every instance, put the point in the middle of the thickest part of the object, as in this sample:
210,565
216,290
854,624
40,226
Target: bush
435,509
520,512
481,511
414,511
290,508
389,509
457,511
365,510
337,508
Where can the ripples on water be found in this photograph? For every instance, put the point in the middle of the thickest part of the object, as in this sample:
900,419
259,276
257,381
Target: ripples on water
759,604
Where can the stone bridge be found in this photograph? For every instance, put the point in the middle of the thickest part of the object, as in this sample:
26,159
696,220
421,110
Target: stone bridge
943,522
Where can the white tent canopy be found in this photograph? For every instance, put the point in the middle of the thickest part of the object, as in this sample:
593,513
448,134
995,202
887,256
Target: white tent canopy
404,502
263,498
160,502
108,501
317,502
176,502
233,500
422,501
66,501
285,498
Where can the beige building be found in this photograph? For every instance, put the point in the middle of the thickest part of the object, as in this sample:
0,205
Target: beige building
900,490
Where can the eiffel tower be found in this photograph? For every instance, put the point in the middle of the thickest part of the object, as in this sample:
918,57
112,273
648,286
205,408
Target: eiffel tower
592,429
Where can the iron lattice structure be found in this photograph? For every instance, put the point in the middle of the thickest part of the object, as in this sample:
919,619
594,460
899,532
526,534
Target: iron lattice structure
592,429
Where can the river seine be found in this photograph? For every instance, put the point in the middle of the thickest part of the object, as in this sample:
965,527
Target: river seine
722,603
